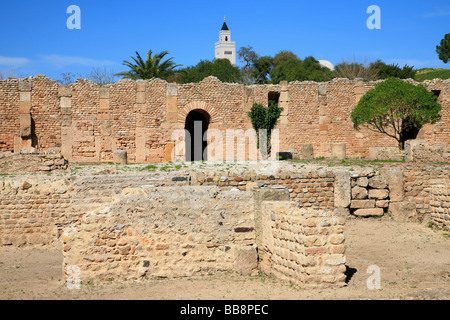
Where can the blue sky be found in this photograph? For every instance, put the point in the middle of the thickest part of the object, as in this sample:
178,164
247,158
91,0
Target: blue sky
34,38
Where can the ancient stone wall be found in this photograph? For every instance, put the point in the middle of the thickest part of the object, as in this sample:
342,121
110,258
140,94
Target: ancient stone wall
306,188
425,152
417,187
161,232
306,246
31,161
88,122
32,209
440,202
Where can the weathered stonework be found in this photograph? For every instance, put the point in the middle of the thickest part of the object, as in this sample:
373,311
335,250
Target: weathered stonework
305,246
88,122
440,203
31,161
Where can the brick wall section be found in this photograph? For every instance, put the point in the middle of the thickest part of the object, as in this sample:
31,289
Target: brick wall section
307,246
19,163
417,186
159,233
440,203
306,188
31,209
9,113
90,121
46,113
85,123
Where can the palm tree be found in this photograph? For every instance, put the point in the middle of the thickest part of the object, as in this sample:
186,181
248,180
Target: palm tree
151,68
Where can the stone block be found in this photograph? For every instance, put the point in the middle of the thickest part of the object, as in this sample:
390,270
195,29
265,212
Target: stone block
104,104
342,189
322,90
362,204
64,90
120,156
172,117
65,103
104,92
307,151
24,85
171,104
25,96
403,211
24,107
385,153
338,150
382,203
25,132
168,152
359,193
140,97
171,89
377,182
25,125
379,194
369,212
246,259
362,181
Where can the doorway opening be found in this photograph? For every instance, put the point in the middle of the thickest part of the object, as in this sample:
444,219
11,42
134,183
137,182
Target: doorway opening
196,126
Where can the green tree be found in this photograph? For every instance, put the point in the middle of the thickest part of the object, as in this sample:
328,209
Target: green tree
443,49
220,68
264,119
396,108
152,67
256,68
290,68
284,56
384,71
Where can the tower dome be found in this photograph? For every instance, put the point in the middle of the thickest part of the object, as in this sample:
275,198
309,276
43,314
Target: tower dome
326,63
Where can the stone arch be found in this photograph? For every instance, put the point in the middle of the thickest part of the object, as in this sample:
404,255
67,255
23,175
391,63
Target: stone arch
196,127
198,105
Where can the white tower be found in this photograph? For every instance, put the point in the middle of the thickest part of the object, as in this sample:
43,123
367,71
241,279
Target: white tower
225,48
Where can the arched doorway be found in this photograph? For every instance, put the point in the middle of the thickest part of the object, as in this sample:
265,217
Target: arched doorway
196,125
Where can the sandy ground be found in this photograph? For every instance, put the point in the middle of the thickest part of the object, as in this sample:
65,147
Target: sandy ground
414,263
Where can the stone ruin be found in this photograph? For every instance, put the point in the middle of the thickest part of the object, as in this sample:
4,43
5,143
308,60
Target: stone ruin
139,225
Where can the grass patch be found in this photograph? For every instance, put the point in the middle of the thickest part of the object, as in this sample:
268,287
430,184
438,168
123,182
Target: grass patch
430,74
150,167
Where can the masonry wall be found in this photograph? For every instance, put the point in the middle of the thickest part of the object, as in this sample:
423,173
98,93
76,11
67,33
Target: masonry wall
306,188
89,122
32,208
162,232
21,163
440,203
305,246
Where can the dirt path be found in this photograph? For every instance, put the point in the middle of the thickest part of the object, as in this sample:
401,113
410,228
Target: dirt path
414,263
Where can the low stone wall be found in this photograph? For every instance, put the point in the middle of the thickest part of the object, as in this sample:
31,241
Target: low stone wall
31,161
440,203
417,189
308,188
305,246
386,153
161,232
31,209
422,151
